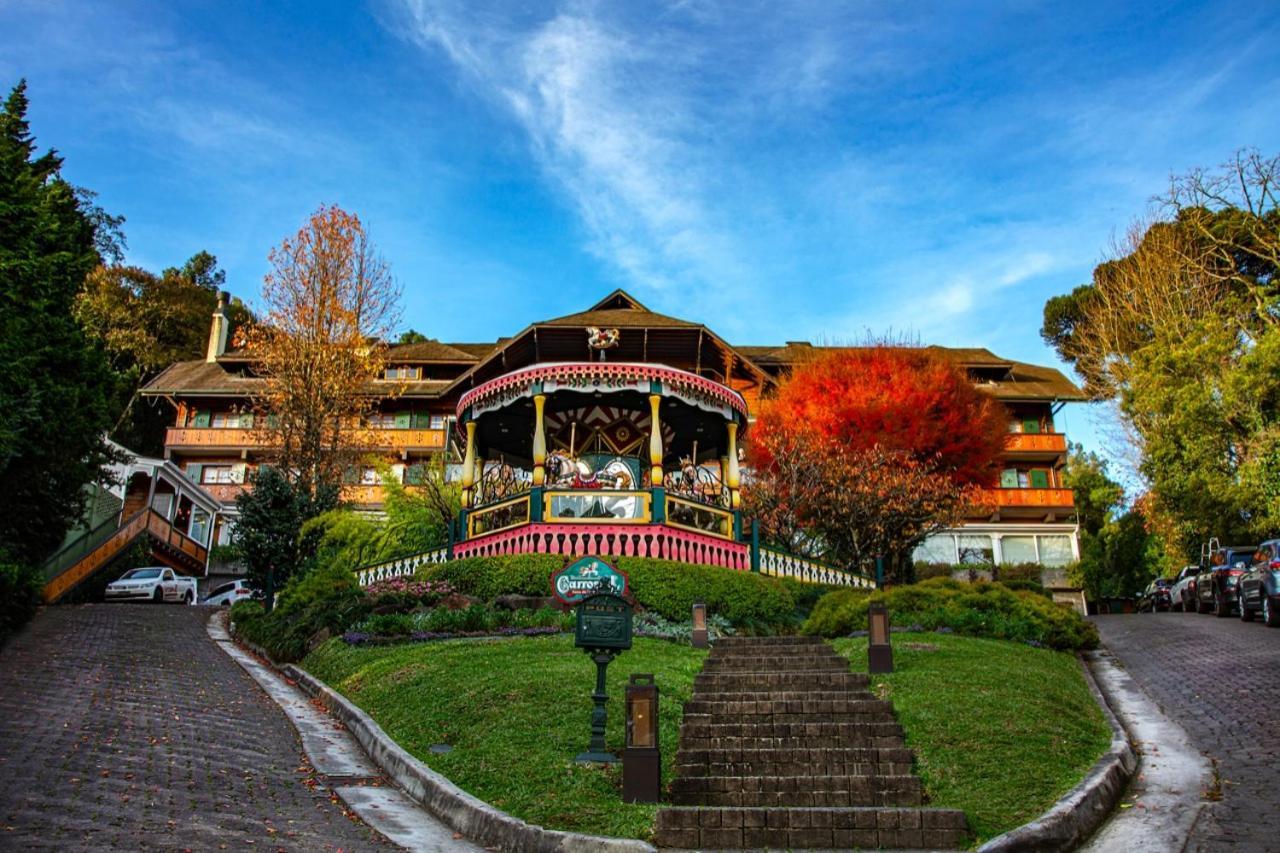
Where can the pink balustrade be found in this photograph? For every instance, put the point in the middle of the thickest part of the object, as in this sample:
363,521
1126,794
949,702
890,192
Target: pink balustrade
655,541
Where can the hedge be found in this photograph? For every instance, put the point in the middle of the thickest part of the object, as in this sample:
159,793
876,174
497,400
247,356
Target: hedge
981,609
20,587
667,588
327,598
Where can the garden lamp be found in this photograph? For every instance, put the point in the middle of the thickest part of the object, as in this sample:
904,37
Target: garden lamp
879,651
641,759
699,639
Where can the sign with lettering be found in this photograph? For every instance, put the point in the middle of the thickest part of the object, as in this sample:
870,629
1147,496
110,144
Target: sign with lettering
604,622
587,577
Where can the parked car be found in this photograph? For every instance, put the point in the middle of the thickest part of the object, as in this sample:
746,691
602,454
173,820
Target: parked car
153,583
1155,597
227,594
1260,585
1216,584
1182,594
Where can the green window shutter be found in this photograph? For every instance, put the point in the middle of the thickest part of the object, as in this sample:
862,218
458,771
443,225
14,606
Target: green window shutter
202,419
421,420
273,422
193,472
1039,479
402,420
246,420
1009,478
1031,426
415,474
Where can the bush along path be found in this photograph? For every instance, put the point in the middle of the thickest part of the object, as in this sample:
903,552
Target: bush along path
783,747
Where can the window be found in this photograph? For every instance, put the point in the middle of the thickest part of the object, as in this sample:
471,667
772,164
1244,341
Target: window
404,372
231,420
975,548
437,421
369,477
1039,478
221,474
1018,549
1055,550
939,548
380,420
1009,478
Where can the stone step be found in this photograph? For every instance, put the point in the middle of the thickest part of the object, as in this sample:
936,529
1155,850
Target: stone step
791,736
795,710
862,761
774,650
784,640
794,663
782,695
810,828
748,682
806,790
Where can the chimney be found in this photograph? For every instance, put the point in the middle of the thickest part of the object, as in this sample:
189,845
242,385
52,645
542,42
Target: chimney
218,331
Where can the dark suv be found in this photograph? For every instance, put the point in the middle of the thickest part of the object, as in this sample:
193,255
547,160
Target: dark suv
1216,583
1260,585
1155,597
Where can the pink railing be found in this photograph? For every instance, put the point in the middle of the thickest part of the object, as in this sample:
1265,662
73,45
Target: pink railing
655,541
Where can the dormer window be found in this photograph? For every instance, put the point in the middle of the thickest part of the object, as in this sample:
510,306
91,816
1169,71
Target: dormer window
403,372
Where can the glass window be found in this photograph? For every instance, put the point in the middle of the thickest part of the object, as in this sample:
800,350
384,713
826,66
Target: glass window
975,548
1055,550
437,421
219,474
938,548
1023,481
1009,478
1018,549
369,477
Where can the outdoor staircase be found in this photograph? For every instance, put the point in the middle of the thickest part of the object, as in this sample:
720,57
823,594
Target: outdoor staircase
85,556
783,747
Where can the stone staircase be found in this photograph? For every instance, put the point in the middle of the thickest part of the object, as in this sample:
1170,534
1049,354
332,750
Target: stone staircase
783,747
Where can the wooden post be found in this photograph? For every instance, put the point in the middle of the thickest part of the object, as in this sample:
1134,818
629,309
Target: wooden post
733,479
469,464
539,441
655,442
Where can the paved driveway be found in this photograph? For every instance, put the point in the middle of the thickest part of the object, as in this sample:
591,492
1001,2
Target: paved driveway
1219,679
123,726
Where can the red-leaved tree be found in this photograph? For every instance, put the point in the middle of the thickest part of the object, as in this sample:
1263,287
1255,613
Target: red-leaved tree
864,452
905,400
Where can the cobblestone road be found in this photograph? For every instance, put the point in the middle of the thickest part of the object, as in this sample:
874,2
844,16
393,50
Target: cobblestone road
1220,680
124,727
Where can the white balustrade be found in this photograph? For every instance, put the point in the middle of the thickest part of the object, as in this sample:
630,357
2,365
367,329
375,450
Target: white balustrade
785,565
400,567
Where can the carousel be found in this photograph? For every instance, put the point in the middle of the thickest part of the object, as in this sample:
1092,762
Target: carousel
602,457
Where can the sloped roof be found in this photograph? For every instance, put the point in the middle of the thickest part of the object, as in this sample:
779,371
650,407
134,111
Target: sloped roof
620,318
428,350
211,378
479,350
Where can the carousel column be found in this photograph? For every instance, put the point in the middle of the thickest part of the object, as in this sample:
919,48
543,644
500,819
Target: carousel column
539,458
469,465
732,478
659,507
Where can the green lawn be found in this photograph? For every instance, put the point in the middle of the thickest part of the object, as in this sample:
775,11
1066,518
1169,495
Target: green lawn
515,711
1002,729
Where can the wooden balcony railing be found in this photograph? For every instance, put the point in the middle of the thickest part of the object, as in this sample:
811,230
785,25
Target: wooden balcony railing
374,439
1048,498
1030,442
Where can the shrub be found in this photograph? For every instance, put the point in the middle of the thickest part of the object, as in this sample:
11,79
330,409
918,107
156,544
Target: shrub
328,598
1019,572
20,587
666,587
980,609
925,571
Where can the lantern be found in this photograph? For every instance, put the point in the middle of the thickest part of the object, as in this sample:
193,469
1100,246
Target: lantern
879,651
699,639
641,760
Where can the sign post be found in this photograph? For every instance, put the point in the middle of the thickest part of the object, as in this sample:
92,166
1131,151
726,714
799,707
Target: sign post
603,630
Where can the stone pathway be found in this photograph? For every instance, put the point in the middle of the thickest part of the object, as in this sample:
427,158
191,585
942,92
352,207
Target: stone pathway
1220,680
124,727
783,747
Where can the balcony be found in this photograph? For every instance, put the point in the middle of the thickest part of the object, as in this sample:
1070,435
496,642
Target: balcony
209,438
225,492
1046,504
1030,445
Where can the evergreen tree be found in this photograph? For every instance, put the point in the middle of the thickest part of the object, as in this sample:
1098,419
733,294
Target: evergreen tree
53,397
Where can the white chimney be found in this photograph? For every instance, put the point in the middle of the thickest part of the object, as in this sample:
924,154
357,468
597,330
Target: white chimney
218,331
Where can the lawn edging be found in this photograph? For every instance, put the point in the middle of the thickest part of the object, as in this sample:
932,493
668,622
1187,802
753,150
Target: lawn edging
1083,809
469,815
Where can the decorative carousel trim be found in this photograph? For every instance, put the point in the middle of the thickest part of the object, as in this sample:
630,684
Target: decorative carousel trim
520,382
656,541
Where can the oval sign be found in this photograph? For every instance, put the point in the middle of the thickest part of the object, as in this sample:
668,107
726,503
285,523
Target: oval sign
586,577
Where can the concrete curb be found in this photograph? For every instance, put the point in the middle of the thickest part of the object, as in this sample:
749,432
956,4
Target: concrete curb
464,813
1083,809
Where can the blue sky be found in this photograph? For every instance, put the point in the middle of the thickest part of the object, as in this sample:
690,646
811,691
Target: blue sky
779,171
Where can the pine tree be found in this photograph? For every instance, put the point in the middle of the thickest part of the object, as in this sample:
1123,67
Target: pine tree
53,403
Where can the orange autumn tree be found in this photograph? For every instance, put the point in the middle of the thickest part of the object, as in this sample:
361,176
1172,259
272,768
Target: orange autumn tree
863,452
330,301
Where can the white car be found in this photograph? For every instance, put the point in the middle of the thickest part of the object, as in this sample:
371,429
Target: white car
1183,595
228,594
153,583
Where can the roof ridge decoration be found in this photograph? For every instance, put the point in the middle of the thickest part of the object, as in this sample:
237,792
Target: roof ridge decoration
586,376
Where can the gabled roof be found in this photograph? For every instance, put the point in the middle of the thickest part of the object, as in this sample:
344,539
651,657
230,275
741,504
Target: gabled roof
203,378
610,318
619,299
428,350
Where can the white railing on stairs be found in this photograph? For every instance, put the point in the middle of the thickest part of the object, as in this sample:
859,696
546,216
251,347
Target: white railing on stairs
400,567
783,564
